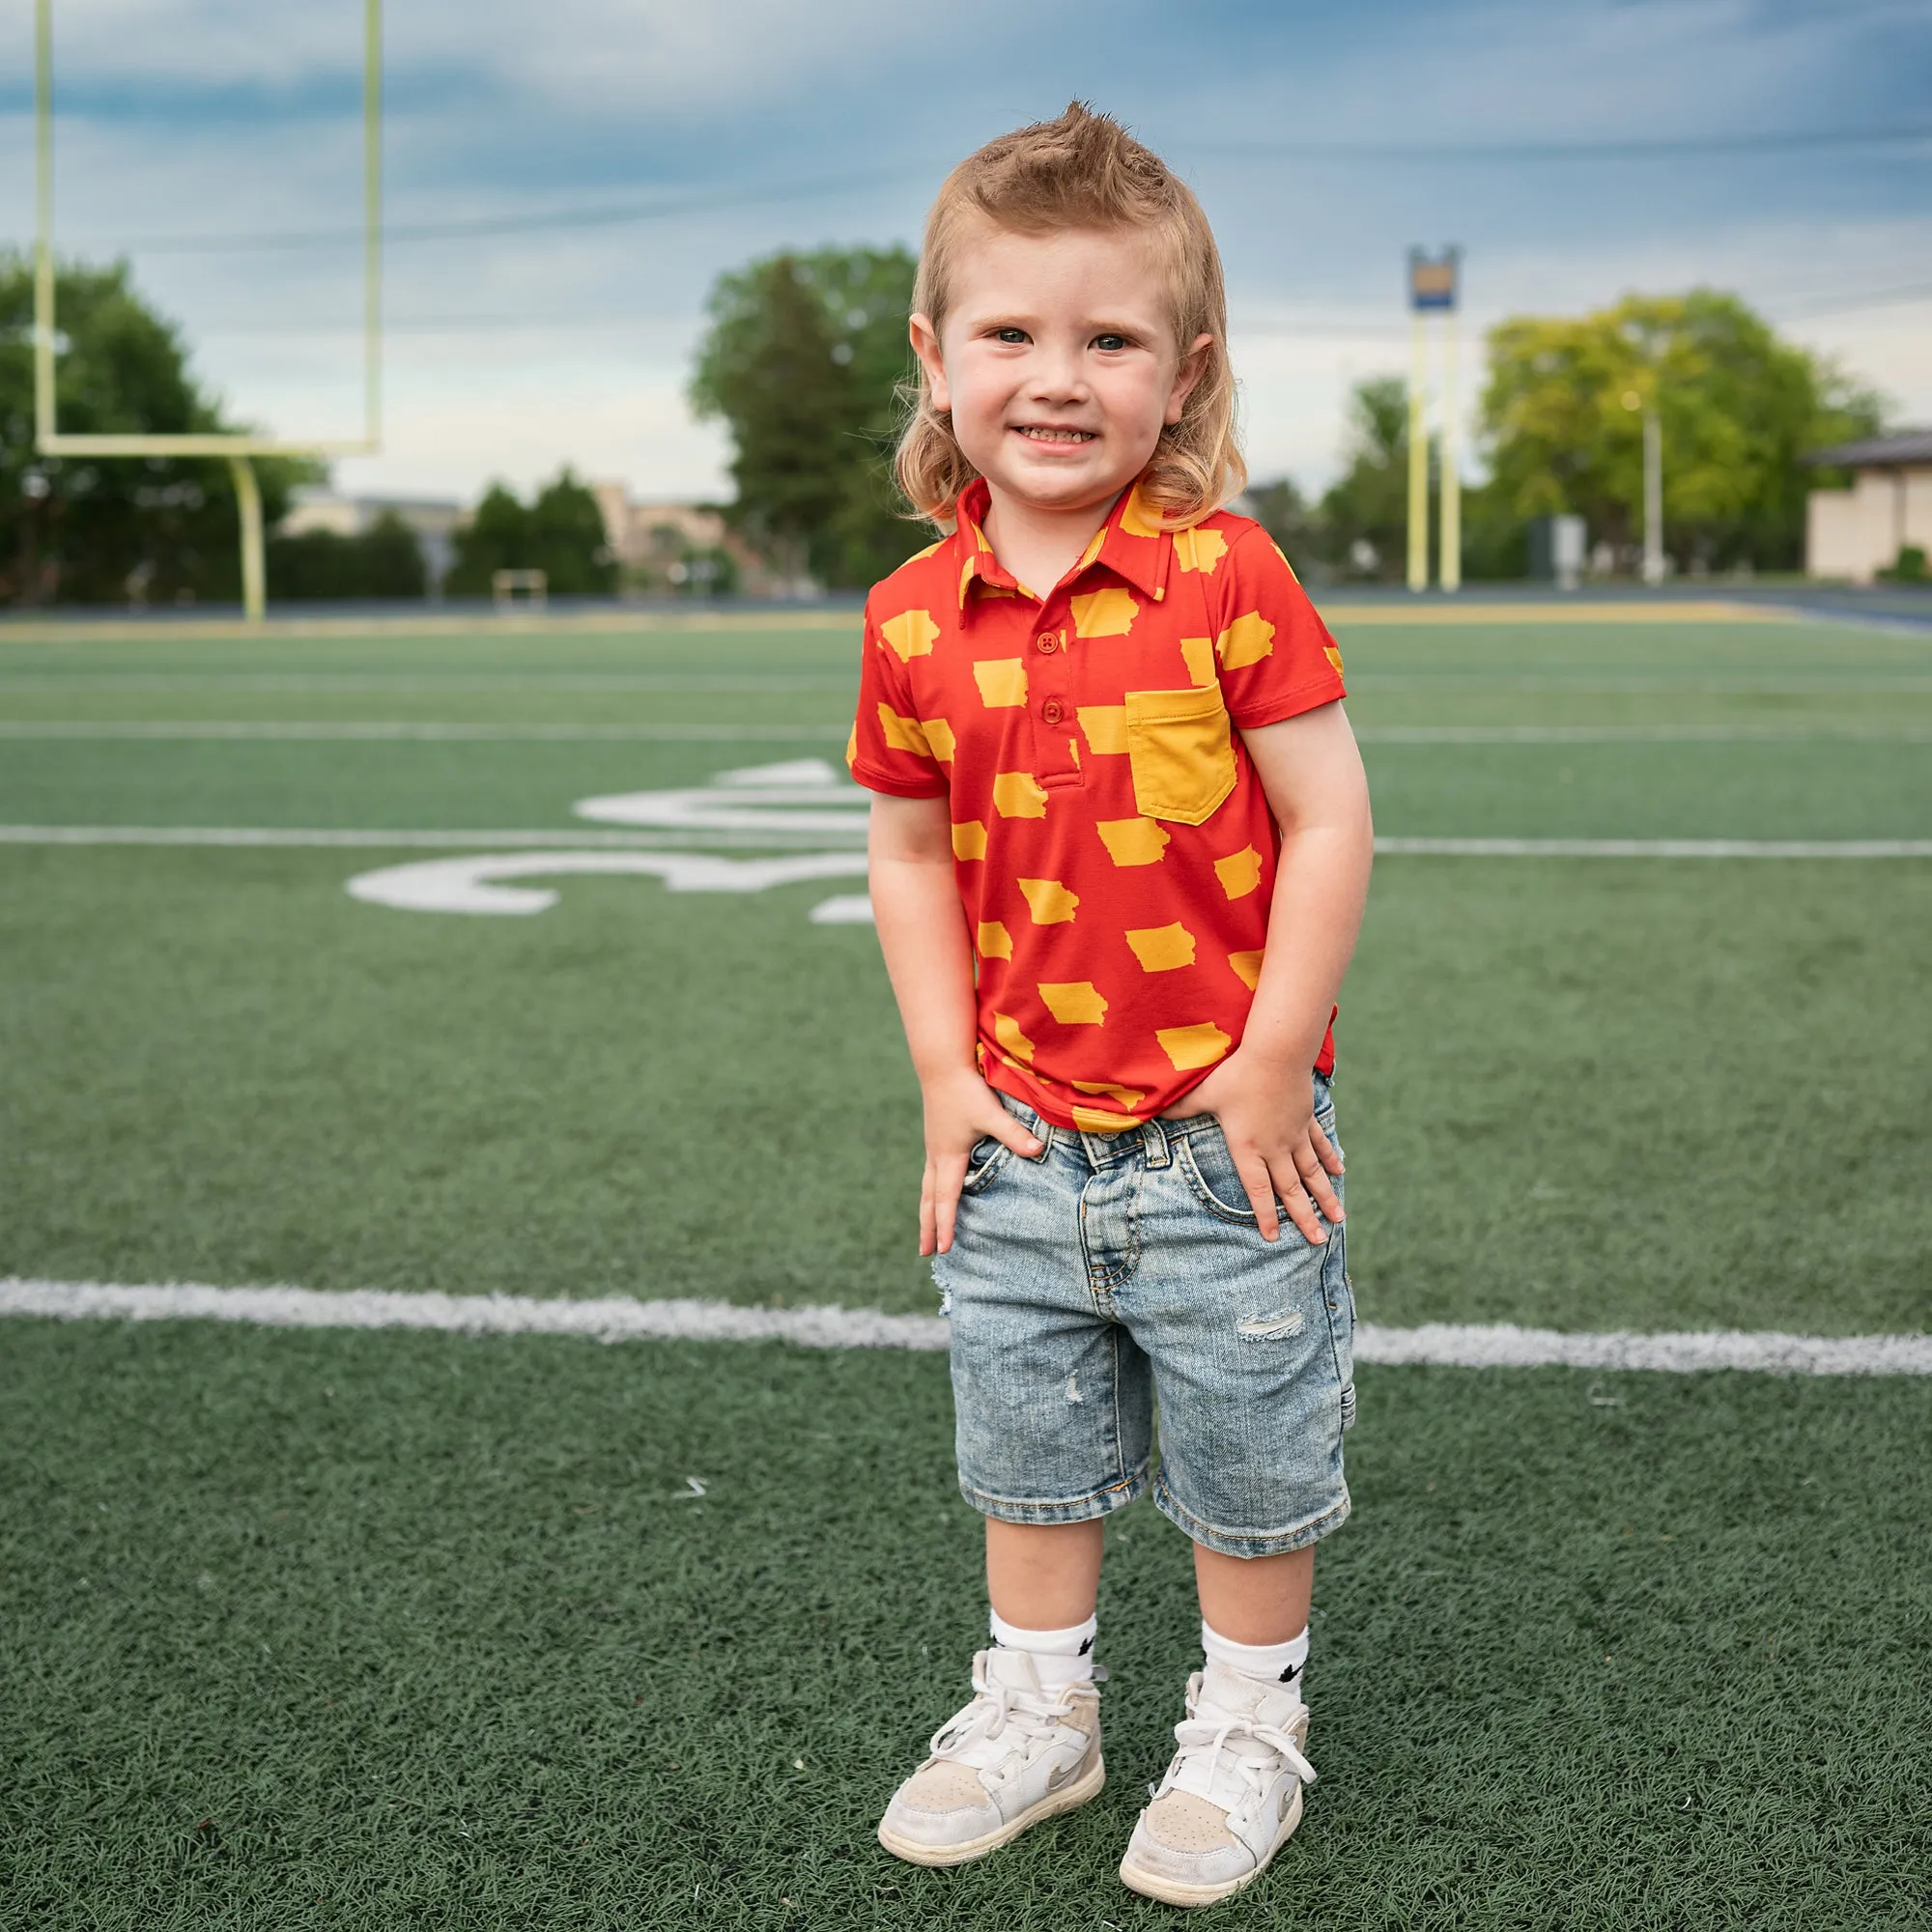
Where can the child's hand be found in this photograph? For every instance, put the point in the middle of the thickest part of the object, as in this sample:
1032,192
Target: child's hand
960,1110
1267,1119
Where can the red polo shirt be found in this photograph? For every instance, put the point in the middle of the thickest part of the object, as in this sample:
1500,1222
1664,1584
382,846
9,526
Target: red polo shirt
1114,849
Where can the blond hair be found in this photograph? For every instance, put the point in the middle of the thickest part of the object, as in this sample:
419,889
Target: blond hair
1084,170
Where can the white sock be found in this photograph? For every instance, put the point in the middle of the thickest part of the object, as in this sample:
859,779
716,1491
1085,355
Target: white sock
1272,1663
1060,1657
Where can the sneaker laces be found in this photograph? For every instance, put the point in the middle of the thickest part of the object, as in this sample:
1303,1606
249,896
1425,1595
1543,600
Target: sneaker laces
1235,1752
1002,1721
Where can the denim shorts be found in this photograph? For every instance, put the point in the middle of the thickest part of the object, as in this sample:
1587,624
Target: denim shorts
1115,1269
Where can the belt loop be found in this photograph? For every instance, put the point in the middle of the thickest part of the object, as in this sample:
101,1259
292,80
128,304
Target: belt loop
1153,1139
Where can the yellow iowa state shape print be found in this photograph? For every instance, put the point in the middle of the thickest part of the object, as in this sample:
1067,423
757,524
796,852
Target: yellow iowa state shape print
1002,682
1133,842
1074,1003
1247,641
1240,872
902,734
1200,550
1048,900
1104,614
1161,948
1007,1031
1191,1046
911,634
1018,795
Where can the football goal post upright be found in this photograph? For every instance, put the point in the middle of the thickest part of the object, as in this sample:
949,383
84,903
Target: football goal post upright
49,439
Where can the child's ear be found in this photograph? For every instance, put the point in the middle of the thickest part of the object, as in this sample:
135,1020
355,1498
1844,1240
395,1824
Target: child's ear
1193,366
926,346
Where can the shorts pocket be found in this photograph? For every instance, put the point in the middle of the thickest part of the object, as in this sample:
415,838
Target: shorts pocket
1210,1169
984,1164
1182,751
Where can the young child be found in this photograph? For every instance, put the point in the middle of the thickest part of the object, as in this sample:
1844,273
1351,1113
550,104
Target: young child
1120,846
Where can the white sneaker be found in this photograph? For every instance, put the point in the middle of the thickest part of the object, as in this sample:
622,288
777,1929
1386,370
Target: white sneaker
1011,1757
1231,1798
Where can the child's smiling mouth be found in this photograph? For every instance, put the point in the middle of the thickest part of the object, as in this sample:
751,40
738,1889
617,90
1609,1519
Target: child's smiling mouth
1062,434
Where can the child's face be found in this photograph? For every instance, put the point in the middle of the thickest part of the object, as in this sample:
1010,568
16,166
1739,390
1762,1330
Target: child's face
1059,363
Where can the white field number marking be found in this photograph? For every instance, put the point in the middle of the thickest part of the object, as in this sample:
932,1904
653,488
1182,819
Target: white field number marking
797,795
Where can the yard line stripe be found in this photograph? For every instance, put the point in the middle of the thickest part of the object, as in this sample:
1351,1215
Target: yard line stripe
381,730
267,729
1643,734
566,838
319,684
1657,848
621,1318
616,1319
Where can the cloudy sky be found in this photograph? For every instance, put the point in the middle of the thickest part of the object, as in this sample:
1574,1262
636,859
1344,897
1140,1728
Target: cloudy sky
564,181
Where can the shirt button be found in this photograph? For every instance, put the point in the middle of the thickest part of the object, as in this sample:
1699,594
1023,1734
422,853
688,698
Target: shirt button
1047,641
1052,711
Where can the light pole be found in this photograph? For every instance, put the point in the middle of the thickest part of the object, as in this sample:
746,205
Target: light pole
1652,487
1432,284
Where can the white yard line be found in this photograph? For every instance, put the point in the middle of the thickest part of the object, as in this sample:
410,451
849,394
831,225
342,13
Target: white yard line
568,837
619,1319
1658,848
245,730
384,730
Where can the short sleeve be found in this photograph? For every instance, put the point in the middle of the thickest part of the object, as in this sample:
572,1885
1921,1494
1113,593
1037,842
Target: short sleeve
1274,656
888,750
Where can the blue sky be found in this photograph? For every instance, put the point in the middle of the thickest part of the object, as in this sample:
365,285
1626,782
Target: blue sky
1322,139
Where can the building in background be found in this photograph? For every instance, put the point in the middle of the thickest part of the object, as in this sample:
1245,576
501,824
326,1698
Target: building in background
1886,513
684,548
431,519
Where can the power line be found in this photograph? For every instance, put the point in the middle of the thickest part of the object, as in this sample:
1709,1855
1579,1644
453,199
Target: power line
1848,305
604,214
622,214
1789,141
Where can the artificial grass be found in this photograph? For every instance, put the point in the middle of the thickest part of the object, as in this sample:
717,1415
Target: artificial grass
372,1630
1655,1094
1814,790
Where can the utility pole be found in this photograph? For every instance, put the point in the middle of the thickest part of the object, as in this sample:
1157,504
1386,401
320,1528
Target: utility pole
1653,497
1450,569
1653,484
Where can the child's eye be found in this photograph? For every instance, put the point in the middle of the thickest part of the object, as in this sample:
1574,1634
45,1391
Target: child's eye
1110,342
1009,335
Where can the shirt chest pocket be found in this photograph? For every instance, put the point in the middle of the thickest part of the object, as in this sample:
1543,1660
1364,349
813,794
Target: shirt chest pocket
1182,751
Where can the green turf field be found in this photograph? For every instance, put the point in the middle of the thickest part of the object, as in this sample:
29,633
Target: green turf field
415,1623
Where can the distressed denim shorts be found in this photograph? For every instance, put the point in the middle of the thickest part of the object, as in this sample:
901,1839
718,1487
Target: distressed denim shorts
1113,1270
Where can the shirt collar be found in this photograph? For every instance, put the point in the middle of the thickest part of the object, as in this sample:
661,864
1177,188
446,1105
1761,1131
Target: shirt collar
1131,543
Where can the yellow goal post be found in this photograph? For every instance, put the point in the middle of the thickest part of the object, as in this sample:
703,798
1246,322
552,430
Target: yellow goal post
50,440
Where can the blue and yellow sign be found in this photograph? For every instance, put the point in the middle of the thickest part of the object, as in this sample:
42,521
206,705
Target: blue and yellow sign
1432,279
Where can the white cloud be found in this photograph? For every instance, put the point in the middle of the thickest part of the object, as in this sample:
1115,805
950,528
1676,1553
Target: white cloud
499,106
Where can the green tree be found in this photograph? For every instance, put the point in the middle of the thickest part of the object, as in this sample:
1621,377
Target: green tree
803,362
560,532
384,560
568,541
1285,514
99,531
1363,519
1737,408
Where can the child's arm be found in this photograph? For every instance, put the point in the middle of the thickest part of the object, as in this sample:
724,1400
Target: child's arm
1313,775
923,934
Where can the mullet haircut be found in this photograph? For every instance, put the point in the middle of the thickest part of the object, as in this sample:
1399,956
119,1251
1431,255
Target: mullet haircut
1083,170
